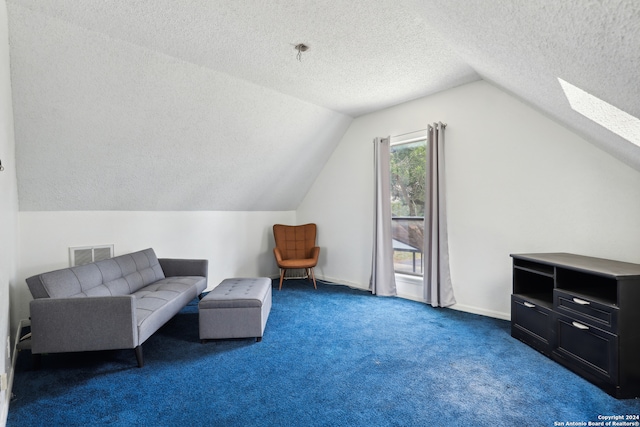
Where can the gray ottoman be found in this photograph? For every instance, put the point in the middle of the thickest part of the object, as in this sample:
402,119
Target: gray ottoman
236,308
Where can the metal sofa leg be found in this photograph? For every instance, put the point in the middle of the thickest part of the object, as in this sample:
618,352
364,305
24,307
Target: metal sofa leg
139,358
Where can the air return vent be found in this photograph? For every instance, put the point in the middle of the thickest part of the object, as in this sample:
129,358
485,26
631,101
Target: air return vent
295,273
81,255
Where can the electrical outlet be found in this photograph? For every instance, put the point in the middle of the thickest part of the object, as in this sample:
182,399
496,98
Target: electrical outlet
3,382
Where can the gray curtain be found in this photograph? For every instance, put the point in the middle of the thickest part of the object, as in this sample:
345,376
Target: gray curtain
438,290
383,278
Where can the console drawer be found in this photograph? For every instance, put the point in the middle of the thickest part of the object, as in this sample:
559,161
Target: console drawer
586,310
532,323
586,349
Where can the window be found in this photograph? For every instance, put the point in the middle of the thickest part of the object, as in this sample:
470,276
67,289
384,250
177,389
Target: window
614,119
408,176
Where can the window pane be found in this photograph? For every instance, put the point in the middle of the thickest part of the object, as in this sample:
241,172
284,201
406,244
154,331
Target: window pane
408,169
407,245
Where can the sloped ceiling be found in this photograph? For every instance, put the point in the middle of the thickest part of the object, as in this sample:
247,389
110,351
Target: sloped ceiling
202,105
525,46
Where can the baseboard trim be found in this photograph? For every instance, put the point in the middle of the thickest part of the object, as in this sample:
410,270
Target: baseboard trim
481,311
410,297
334,281
458,307
326,280
466,309
14,356
11,372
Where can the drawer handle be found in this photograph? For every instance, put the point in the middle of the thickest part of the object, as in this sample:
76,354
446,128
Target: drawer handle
581,301
528,304
579,325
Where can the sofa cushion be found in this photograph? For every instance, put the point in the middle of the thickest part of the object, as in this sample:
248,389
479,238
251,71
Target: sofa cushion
160,301
121,275
54,284
140,269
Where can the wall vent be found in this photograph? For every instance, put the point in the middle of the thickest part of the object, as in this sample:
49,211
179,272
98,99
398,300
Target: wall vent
81,255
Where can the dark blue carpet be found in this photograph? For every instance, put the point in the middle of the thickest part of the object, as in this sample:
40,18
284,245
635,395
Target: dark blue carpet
331,357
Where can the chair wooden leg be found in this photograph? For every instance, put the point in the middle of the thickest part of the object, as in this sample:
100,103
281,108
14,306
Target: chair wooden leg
314,278
282,271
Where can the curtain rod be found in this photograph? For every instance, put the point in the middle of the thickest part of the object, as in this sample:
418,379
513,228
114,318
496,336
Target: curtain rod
416,131
444,125
409,133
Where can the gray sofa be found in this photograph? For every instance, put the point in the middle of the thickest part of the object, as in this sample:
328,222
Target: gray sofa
112,304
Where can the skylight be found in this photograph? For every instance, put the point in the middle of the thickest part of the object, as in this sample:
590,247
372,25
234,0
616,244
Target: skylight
617,121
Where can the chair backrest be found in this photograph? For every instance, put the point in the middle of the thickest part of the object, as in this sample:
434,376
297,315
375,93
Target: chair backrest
295,241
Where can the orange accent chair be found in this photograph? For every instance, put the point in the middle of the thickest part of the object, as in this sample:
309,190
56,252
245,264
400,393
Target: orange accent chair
296,248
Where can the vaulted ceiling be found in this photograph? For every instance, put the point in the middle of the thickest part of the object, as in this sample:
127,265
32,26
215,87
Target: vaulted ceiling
204,105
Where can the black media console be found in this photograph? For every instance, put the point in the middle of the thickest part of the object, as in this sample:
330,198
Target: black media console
582,312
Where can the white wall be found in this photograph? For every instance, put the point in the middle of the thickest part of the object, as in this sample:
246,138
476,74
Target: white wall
516,182
236,244
8,206
107,122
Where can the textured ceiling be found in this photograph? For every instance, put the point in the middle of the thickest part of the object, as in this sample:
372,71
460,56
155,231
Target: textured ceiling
364,55
525,46
202,105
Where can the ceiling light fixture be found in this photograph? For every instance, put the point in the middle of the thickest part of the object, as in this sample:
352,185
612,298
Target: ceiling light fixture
301,47
617,121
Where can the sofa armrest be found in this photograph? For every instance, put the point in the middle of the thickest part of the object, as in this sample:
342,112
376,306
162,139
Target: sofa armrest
184,267
83,324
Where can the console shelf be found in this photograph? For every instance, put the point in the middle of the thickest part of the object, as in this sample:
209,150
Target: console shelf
582,312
